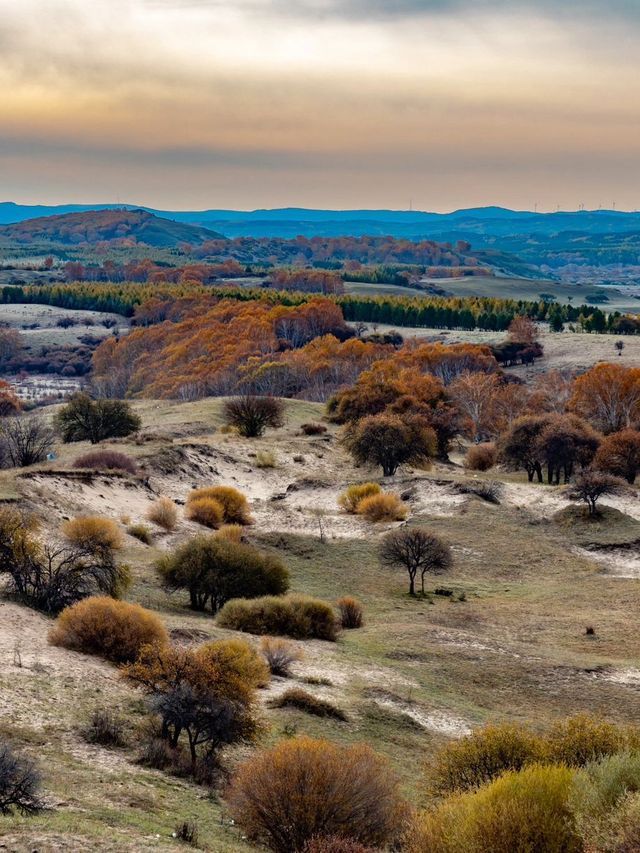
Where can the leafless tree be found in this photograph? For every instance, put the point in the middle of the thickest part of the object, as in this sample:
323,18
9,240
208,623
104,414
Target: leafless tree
24,440
416,551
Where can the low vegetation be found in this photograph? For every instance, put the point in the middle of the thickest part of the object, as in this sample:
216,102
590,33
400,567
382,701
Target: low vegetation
298,616
214,569
302,788
106,460
115,630
164,513
302,700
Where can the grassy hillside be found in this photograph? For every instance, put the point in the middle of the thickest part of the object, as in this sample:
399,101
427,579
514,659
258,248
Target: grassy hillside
509,643
106,226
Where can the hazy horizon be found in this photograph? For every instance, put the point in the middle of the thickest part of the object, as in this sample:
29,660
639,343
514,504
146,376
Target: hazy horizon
438,104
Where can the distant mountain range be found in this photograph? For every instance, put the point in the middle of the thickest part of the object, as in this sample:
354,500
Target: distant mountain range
294,221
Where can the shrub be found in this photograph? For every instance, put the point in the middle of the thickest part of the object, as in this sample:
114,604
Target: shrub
19,783
105,728
231,532
93,533
215,569
266,459
252,415
335,844
24,440
350,499
581,739
164,513
234,504
526,810
483,755
297,616
206,511
299,699
287,795
600,787
115,630
487,490
140,532
481,457
280,655
385,507
187,831
84,419
351,614
313,429
51,577
109,460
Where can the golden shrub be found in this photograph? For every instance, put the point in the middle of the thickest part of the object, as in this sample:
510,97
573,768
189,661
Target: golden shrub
231,532
115,630
164,513
234,504
383,507
93,532
350,499
206,511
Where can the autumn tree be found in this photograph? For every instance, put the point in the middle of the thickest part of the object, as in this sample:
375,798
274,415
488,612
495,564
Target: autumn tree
473,393
10,346
84,419
519,447
619,454
523,330
390,441
252,415
591,485
551,392
608,396
416,551
9,402
564,443
206,693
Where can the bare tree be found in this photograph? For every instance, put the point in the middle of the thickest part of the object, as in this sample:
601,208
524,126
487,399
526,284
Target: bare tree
19,783
589,486
416,551
24,441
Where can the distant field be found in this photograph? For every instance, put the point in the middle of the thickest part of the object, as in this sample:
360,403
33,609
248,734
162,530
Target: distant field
45,318
624,299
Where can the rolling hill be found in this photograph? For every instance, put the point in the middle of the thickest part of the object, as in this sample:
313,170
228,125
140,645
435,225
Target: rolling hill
95,226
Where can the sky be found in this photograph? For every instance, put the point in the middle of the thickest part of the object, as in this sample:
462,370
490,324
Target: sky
435,104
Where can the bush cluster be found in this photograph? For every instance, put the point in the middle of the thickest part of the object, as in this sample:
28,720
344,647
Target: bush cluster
297,616
383,507
481,457
304,701
92,533
234,505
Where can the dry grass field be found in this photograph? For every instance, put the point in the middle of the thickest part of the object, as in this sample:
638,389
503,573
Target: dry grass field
509,643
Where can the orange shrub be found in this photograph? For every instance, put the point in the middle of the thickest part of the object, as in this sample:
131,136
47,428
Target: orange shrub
351,615
481,457
115,630
93,532
234,504
231,532
164,513
287,795
383,507
207,511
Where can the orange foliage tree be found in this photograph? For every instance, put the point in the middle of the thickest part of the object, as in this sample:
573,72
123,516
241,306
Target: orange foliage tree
608,396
